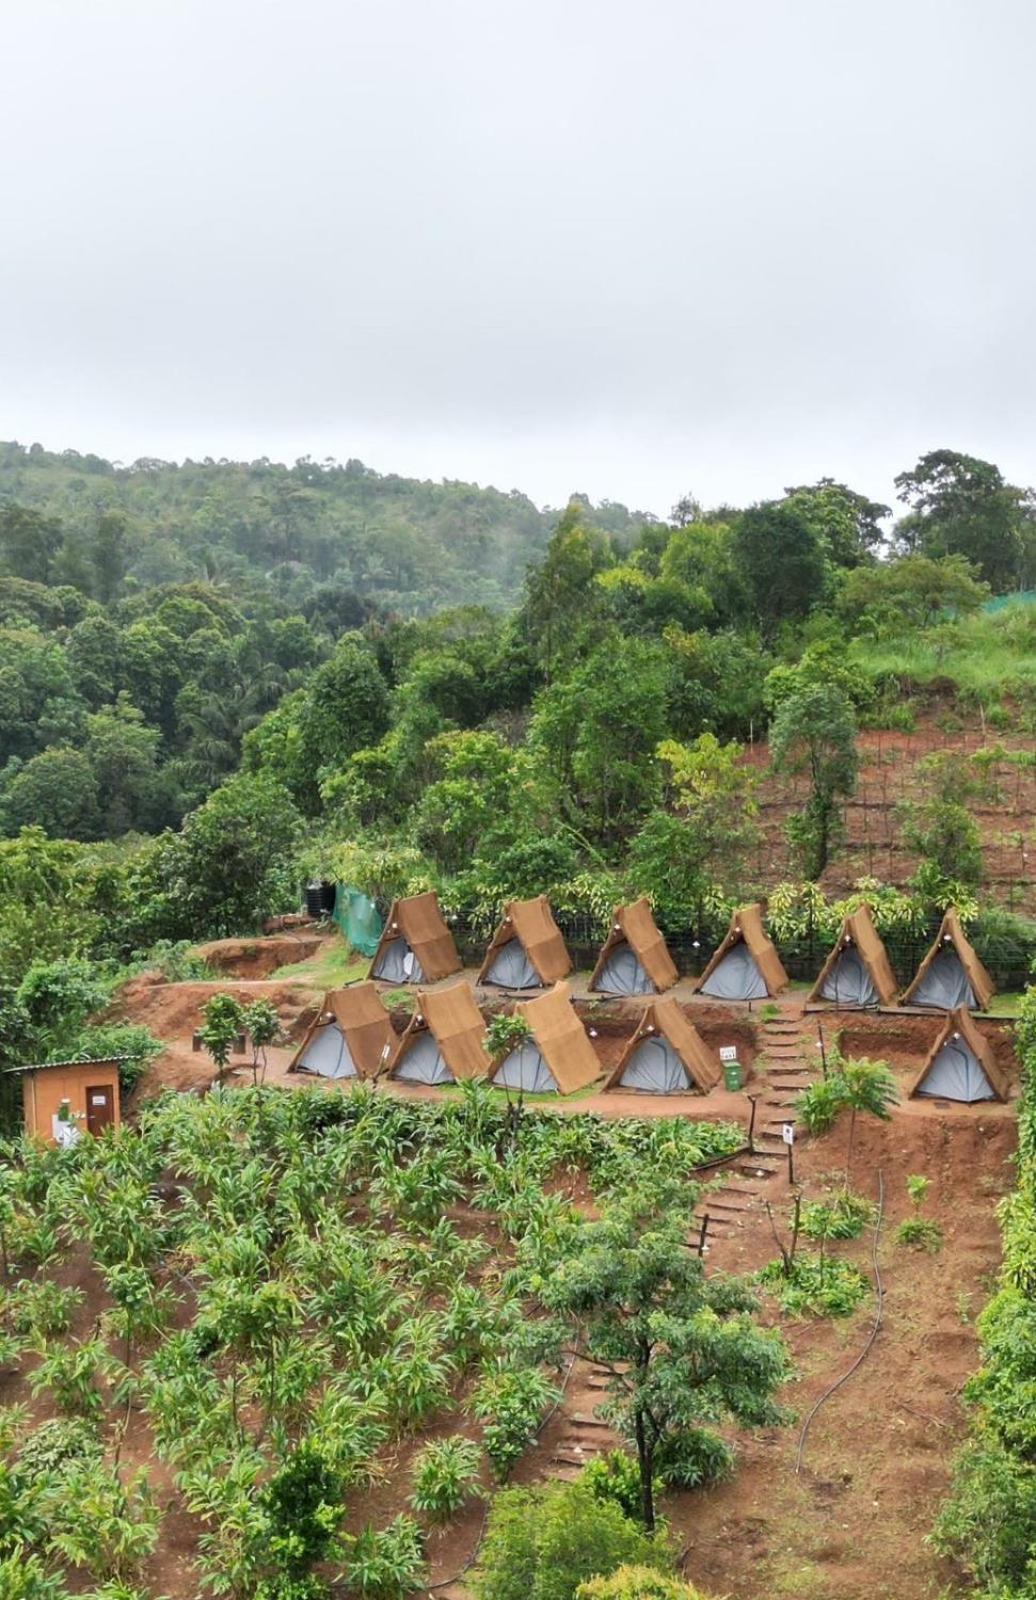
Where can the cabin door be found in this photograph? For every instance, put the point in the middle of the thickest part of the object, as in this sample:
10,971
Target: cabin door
100,1108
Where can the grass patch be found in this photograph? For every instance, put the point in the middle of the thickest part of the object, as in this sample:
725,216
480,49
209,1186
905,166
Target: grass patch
334,965
985,655
920,1234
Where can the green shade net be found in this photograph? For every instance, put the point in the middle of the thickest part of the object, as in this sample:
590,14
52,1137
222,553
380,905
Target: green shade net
357,916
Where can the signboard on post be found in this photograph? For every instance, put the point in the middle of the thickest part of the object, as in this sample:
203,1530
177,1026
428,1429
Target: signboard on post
728,1052
788,1135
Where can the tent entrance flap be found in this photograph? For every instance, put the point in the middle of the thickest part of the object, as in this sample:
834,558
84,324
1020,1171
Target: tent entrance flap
423,1062
526,1069
398,964
945,985
512,969
957,1074
622,973
737,977
849,982
328,1054
655,1068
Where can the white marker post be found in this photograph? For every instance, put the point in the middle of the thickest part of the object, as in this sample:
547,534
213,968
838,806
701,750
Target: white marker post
788,1135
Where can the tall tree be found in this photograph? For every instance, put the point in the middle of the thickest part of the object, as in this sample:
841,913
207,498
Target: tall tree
814,731
783,560
681,1348
961,506
559,594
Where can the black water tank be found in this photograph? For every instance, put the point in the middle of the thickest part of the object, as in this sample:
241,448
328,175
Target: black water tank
327,897
314,899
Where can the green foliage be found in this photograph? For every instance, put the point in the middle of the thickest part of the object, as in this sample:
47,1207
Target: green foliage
445,1474
814,731
820,1286
224,1019
631,1272
510,1403
845,1218
860,1087
615,1477
920,1234
780,552
542,1543
385,1564
505,1033
988,1524
818,1107
961,506
637,1583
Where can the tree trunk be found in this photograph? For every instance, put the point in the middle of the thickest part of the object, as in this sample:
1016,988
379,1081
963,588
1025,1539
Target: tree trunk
645,1457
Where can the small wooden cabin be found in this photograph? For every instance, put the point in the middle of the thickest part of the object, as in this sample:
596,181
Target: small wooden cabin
60,1094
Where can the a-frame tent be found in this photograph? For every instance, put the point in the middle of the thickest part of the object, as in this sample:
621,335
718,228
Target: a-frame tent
443,1041
527,950
951,974
415,946
351,1037
634,958
960,1064
666,1054
857,972
746,966
557,1057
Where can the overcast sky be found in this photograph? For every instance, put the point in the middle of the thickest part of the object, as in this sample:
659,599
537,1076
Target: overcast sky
630,247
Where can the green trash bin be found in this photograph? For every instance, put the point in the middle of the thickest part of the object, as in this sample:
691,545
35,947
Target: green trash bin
732,1075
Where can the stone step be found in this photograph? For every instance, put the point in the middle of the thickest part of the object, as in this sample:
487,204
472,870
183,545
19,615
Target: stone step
760,1166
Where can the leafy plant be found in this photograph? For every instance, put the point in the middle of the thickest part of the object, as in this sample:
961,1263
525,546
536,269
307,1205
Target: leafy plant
510,1402
615,1477
444,1475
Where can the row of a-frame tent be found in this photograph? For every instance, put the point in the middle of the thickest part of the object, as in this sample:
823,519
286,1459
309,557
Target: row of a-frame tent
528,952
444,1042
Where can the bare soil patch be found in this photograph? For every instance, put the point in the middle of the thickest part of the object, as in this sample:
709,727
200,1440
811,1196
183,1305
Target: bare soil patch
257,958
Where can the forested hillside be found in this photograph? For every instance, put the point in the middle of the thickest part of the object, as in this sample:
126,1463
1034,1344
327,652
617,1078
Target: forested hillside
320,537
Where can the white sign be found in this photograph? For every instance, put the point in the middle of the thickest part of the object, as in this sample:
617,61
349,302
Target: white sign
788,1133
728,1052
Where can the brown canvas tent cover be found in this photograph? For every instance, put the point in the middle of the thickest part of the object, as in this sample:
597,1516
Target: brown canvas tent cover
951,974
527,951
634,958
666,1055
557,1057
443,1039
415,946
960,1064
857,972
746,966
351,1037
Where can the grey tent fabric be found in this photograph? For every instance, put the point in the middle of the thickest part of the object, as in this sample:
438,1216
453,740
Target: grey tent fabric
849,983
737,977
526,1069
512,968
622,973
957,1074
398,964
945,985
328,1054
423,1062
655,1068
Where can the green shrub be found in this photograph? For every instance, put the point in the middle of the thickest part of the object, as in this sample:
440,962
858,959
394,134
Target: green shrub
818,1107
510,1404
542,1543
920,1234
615,1477
386,1563
816,1286
444,1475
638,1583
694,1459
845,1218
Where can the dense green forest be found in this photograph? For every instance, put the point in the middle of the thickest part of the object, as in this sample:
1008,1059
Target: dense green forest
182,744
